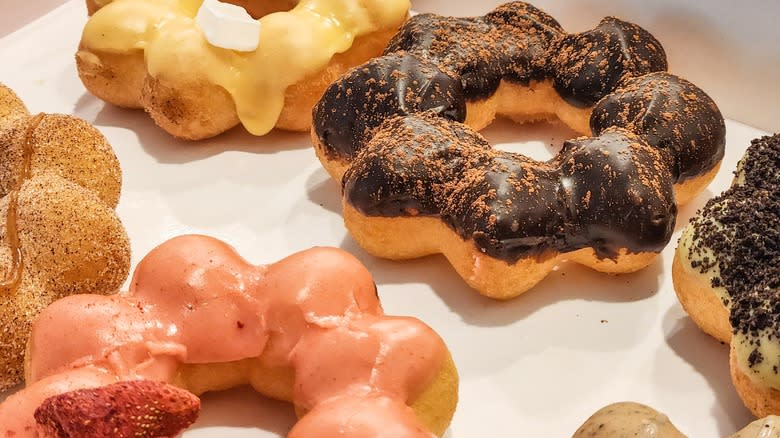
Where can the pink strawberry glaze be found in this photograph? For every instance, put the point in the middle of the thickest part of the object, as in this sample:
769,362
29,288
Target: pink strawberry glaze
193,299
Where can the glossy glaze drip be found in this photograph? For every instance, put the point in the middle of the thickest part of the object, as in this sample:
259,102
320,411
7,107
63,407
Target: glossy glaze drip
14,274
194,300
608,192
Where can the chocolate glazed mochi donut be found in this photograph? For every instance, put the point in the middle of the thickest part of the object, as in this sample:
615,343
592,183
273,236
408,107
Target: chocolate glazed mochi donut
399,134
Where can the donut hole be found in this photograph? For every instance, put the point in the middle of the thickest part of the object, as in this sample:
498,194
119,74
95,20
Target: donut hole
539,140
259,9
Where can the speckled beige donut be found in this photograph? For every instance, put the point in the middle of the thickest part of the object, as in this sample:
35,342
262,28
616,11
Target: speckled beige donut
59,234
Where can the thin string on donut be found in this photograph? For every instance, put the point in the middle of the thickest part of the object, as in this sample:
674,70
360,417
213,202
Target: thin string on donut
153,55
14,275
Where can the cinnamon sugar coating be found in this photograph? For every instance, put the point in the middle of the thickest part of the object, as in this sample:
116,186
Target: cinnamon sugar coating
149,409
59,234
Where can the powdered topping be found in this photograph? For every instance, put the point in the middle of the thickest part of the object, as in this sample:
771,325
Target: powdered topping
608,193
509,205
14,272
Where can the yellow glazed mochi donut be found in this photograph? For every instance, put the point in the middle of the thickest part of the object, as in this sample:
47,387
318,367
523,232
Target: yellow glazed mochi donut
199,69
398,133
726,273
629,419
59,234
307,329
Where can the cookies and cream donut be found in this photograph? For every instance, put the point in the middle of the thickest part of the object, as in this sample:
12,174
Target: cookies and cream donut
59,233
630,419
199,316
726,273
200,68
398,134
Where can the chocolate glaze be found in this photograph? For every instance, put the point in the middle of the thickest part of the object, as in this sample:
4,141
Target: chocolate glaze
742,228
671,114
509,43
608,192
587,66
515,42
355,105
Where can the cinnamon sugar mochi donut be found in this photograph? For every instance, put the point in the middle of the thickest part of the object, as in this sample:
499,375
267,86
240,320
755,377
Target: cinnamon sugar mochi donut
197,81
200,317
726,273
59,234
630,419
417,180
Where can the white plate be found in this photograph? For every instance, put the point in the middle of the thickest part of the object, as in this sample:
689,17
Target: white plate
535,366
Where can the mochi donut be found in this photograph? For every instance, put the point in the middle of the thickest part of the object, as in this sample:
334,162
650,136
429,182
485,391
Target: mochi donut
307,329
726,273
156,54
59,234
627,419
417,180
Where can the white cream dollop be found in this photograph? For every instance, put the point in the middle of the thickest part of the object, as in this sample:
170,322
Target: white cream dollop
228,26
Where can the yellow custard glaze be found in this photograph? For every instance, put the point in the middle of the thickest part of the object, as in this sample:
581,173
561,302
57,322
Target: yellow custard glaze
293,45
